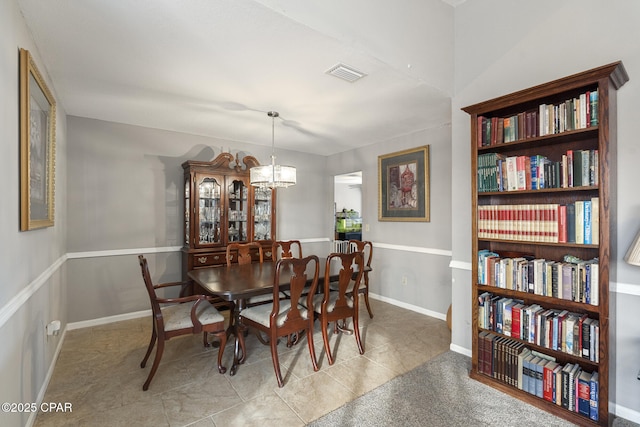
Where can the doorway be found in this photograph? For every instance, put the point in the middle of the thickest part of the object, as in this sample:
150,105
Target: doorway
347,205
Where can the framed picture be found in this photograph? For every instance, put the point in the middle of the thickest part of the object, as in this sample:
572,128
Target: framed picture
37,147
403,185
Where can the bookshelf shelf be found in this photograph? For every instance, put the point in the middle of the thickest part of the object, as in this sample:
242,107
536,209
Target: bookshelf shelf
554,263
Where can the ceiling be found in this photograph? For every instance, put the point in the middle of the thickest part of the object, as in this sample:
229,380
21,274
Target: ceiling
215,68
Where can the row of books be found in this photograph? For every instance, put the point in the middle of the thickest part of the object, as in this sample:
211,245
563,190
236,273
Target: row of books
560,330
577,222
577,281
575,168
575,113
512,363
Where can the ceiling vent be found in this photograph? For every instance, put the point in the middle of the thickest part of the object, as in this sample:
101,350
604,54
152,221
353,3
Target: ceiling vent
345,72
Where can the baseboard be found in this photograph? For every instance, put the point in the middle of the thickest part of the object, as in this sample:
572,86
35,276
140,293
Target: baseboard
457,349
441,316
45,384
107,320
626,413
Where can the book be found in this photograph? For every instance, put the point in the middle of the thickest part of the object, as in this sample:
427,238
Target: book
593,396
512,173
526,352
583,393
562,224
579,221
587,223
548,380
595,220
533,374
571,223
573,375
565,396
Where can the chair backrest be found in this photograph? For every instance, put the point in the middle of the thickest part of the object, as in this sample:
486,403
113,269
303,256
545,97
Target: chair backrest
349,277
284,249
366,247
297,268
146,276
244,252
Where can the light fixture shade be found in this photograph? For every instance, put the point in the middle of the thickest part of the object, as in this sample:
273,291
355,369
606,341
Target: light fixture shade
273,176
633,254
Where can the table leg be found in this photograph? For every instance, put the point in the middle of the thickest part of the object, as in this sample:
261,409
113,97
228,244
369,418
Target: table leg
239,352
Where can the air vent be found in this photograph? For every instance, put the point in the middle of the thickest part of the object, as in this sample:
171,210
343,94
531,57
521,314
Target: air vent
345,72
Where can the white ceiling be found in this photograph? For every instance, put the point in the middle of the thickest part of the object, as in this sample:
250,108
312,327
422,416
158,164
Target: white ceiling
215,68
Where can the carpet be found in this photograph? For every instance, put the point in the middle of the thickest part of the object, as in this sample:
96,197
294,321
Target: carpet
438,393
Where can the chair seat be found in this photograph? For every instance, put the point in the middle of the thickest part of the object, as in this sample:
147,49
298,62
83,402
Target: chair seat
179,316
260,299
261,313
334,286
333,298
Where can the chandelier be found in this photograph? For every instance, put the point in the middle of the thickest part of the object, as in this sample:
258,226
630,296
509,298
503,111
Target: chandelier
272,175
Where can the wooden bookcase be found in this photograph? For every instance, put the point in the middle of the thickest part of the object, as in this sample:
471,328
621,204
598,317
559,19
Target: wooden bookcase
524,223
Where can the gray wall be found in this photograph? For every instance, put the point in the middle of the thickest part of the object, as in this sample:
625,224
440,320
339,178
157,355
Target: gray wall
125,194
418,250
34,294
503,46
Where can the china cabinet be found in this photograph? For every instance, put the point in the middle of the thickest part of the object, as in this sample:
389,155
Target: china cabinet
221,207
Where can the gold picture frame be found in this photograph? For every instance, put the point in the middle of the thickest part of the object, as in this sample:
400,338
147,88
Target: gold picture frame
403,185
37,147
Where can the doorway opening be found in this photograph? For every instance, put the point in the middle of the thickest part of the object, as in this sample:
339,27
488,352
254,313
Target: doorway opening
347,197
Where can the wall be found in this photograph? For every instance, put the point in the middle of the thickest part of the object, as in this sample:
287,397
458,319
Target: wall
503,46
125,197
35,294
418,250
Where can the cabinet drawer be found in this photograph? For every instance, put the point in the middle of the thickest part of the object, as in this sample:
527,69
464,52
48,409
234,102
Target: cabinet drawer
208,259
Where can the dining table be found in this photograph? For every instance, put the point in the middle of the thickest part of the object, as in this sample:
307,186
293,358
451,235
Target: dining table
239,282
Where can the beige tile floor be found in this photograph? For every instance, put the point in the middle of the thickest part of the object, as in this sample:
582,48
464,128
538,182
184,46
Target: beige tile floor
98,372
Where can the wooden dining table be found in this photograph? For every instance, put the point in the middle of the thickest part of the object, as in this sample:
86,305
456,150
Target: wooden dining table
238,283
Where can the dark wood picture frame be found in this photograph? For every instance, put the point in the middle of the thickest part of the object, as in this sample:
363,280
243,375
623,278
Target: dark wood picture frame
403,185
37,147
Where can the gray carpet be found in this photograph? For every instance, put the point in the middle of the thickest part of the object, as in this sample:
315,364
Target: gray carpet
438,393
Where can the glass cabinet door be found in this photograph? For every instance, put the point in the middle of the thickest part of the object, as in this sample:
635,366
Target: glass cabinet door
262,219
238,205
209,211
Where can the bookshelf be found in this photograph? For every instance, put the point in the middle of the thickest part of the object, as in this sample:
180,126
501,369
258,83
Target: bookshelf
543,210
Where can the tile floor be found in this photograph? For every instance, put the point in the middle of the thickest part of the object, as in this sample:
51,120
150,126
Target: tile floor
98,372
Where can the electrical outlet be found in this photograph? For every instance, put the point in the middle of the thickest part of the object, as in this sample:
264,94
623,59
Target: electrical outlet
366,227
404,280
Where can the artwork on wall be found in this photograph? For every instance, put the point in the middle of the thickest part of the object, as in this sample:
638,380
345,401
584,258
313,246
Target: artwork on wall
403,185
37,147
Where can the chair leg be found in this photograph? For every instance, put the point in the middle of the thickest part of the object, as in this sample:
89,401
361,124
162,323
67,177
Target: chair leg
325,338
312,350
366,296
356,331
222,336
205,341
241,331
276,361
156,362
154,337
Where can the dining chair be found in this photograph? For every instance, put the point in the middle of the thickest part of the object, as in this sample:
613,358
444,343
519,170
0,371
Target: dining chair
339,304
366,247
243,252
281,318
284,249
174,317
